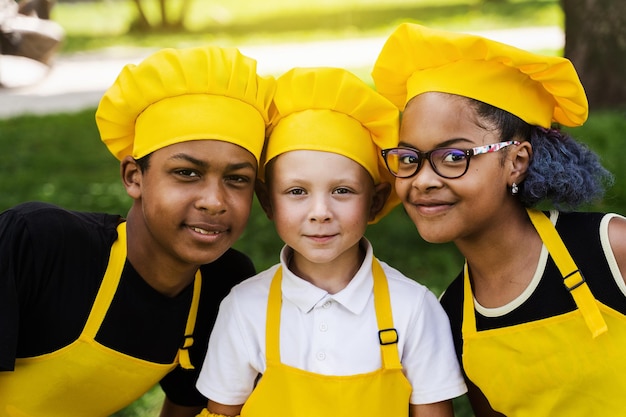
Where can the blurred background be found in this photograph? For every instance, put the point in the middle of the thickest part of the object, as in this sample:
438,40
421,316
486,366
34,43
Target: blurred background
50,148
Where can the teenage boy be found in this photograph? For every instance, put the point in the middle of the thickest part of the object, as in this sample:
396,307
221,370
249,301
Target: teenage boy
95,308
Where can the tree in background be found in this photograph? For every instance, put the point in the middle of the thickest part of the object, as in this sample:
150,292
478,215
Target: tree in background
595,42
166,21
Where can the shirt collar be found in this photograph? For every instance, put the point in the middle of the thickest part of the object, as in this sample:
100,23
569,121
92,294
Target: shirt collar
306,296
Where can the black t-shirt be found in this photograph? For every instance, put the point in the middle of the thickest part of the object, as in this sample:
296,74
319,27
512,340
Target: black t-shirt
52,262
580,233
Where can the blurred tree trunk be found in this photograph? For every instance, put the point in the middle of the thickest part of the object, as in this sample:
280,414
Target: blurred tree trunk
595,42
165,21
142,21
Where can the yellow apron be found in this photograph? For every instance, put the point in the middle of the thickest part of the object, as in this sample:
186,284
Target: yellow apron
85,378
287,391
568,365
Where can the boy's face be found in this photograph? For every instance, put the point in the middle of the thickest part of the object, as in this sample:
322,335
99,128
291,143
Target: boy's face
321,203
196,198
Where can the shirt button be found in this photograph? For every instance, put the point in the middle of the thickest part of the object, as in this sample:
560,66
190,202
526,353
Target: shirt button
327,304
323,327
320,356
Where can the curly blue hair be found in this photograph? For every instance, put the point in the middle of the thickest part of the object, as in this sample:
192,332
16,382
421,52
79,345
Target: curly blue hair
562,171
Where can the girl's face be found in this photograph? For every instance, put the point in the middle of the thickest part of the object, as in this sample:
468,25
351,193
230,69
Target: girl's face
443,209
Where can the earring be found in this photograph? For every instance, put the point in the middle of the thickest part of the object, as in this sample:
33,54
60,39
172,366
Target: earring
514,189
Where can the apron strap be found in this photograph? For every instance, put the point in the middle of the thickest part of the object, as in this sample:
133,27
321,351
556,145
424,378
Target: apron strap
183,352
109,284
387,334
272,322
572,277
468,325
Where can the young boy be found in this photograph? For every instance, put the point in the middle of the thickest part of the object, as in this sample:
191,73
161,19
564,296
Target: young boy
330,331
96,309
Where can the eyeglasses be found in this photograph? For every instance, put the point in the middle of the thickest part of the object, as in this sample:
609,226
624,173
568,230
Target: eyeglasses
448,163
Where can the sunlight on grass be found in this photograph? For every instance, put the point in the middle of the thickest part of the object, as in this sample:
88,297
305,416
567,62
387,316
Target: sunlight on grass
107,23
252,10
106,18
114,16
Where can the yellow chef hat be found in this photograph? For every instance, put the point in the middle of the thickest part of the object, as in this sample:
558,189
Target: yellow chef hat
332,110
536,88
178,95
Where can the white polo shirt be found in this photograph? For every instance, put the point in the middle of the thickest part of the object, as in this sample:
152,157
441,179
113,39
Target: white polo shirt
330,334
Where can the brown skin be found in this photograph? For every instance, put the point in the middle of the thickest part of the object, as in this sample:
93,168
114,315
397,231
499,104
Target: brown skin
170,409
473,211
617,237
189,206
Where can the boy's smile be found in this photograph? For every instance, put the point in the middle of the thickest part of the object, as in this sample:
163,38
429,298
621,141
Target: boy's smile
195,201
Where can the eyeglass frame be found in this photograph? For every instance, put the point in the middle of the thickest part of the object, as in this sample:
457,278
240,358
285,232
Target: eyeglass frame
421,156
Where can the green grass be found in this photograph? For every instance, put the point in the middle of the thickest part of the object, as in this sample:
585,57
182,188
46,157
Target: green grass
58,159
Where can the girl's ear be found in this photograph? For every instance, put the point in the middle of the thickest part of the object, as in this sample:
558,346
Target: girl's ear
381,194
263,195
520,158
131,177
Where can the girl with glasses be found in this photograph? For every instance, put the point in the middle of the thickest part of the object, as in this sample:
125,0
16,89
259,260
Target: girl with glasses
538,311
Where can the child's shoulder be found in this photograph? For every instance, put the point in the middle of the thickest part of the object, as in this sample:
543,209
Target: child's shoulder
48,225
410,299
257,285
248,299
50,215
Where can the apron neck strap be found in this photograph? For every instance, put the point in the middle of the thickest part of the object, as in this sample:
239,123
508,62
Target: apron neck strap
183,352
387,334
572,277
272,321
469,316
108,286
